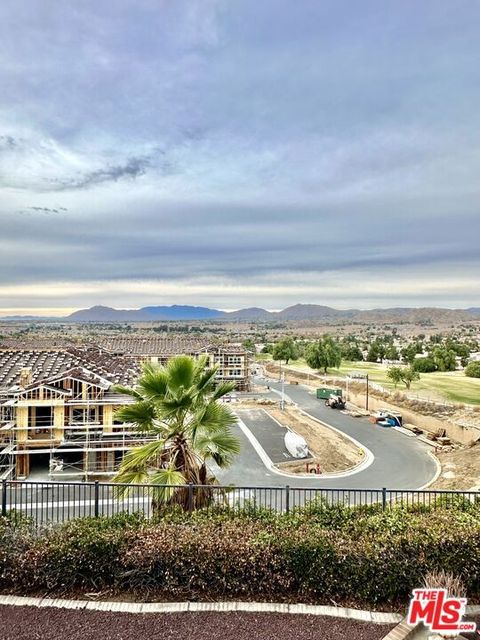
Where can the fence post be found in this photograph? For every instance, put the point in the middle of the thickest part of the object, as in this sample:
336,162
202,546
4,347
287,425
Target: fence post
384,498
287,499
96,494
190,497
4,497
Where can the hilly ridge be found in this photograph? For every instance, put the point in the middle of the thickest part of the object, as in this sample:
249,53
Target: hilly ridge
294,313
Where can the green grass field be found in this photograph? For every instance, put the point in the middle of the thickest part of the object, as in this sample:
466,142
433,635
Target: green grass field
453,386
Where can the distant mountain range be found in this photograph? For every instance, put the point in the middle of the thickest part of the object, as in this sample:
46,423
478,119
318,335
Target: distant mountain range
298,312
145,314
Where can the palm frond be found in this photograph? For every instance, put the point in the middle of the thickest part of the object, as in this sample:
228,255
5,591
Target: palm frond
215,416
222,390
180,372
142,414
153,384
139,458
126,478
127,391
167,483
172,403
221,446
206,380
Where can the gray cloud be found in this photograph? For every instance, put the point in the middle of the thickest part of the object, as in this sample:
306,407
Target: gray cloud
49,209
7,142
132,168
30,211
201,141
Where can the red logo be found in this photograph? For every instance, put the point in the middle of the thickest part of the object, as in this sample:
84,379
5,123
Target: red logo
439,612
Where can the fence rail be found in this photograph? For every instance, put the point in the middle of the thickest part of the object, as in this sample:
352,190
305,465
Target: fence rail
48,503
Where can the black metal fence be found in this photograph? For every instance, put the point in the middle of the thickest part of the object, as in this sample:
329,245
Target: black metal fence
54,502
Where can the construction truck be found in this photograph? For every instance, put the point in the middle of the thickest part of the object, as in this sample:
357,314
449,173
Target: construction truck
335,401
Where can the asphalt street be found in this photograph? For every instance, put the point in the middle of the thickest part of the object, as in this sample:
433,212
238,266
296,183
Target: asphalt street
269,433
401,462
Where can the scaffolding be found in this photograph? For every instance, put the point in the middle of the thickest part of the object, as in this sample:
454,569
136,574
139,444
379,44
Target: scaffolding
7,445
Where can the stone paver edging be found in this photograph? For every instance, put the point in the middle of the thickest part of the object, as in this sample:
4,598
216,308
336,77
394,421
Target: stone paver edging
378,617
401,632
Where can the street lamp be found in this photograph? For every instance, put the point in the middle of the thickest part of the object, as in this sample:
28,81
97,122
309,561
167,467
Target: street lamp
366,395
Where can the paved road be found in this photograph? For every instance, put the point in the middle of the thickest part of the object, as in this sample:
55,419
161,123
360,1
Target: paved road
401,462
269,433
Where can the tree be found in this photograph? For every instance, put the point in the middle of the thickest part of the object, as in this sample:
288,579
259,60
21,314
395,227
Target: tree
394,374
424,365
351,351
376,351
473,370
460,349
285,349
445,359
409,375
409,352
178,405
324,353
391,352
249,345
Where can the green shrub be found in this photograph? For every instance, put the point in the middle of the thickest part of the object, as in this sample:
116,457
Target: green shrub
424,365
327,553
472,370
16,536
80,553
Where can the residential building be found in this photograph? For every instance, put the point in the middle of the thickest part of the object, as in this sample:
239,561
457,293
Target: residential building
57,406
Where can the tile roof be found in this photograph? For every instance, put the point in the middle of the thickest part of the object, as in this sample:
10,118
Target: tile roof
114,359
51,364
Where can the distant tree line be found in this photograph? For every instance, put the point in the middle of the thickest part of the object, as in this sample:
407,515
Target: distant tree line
421,355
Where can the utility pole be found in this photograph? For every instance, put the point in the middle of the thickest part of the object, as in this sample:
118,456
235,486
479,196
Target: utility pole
366,396
282,402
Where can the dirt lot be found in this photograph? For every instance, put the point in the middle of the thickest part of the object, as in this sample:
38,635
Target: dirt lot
460,469
331,451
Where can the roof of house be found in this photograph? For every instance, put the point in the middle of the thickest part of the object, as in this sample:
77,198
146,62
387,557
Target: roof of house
114,360
50,365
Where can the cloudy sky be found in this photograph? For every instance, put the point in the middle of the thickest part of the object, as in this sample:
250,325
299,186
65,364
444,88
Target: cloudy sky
236,153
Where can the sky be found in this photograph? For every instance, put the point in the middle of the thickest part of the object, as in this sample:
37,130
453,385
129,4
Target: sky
235,153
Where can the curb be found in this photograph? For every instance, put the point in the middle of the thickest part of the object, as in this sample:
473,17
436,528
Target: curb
360,466
268,463
377,617
437,472
400,632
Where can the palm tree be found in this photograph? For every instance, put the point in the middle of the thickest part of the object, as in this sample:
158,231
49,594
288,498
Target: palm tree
178,404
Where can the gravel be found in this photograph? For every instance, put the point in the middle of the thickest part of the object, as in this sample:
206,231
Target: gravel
32,623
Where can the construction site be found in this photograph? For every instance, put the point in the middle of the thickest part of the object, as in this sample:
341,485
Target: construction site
58,404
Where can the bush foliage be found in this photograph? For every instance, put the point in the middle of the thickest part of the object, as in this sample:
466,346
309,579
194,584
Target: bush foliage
472,369
362,556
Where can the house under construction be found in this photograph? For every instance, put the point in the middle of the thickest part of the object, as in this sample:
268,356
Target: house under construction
57,406
232,360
